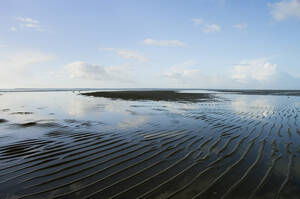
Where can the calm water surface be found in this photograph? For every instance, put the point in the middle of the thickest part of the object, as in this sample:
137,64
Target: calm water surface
64,145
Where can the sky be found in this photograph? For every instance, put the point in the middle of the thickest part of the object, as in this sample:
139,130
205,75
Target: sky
233,44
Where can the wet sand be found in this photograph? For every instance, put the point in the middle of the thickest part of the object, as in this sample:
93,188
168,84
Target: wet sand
243,147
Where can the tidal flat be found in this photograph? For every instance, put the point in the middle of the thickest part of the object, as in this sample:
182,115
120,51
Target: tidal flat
207,144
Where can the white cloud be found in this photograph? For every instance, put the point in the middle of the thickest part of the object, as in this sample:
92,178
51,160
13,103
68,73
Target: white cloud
17,67
206,27
27,20
257,73
169,43
86,71
285,9
182,75
188,74
259,70
261,73
241,26
27,23
195,78
198,21
20,60
127,54
209,28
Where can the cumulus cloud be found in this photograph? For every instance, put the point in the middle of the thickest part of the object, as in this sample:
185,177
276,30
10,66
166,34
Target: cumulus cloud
27,23
86,71
209,28
257,73
127,54
261,73
241,26
285,9
169,43
259,70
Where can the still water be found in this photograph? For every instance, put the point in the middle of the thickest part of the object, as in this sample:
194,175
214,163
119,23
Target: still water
65,145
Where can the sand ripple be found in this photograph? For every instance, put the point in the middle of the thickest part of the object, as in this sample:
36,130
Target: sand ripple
222,154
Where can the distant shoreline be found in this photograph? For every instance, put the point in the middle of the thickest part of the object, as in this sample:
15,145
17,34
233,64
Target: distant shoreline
140,90
260,92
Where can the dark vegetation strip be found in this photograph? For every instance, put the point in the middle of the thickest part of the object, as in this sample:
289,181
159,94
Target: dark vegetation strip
153,95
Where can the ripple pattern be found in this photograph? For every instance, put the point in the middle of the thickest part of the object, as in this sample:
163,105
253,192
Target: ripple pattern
221,154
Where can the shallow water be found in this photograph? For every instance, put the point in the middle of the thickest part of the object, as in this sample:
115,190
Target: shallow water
64,145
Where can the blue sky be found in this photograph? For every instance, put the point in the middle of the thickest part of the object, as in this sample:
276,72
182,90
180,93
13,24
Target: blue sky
135,43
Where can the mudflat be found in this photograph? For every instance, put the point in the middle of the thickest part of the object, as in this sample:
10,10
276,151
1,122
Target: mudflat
153,95
149,144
